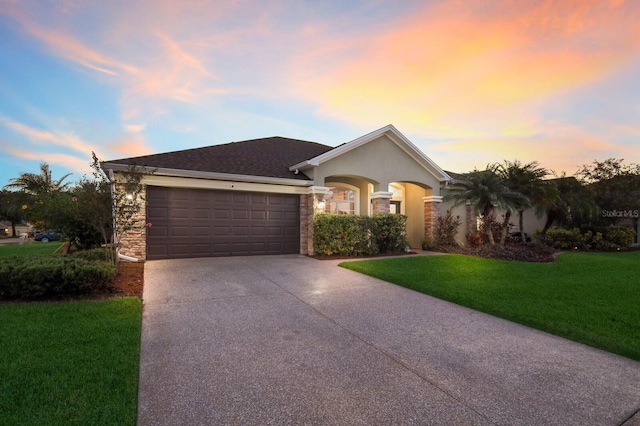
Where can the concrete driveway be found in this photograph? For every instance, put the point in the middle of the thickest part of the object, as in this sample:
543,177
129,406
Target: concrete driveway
294,340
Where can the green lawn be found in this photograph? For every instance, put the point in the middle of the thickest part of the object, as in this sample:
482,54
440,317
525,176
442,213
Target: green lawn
593,298
72,363
29,247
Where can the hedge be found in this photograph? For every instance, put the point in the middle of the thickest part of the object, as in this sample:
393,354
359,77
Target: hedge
611,238
51,275
356,235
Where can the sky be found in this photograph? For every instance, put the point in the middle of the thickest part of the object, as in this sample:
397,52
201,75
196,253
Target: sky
468,82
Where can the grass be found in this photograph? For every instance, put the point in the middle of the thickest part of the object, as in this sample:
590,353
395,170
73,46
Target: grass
592,298
69,363
28,248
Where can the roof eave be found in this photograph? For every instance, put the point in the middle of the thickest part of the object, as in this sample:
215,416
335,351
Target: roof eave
388,130
193,174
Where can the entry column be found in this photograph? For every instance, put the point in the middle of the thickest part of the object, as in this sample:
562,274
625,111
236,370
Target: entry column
431,214
311,203
381,202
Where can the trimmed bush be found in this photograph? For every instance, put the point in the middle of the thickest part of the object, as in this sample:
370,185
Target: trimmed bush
343,234
563,238
389,232
102,254
355,235
51,275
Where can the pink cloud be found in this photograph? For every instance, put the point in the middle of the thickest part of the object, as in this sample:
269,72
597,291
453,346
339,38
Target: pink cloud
129,147
70,161
63,139
451,66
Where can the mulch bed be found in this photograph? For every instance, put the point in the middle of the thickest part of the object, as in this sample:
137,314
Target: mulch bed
130,279
529,252
343,257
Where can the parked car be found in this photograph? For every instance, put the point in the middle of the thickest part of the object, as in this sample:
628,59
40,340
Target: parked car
47,236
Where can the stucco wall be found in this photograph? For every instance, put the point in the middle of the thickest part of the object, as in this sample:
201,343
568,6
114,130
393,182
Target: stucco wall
381,162
414,209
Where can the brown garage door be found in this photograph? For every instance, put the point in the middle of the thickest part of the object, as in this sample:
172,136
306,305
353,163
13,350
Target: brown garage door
206,223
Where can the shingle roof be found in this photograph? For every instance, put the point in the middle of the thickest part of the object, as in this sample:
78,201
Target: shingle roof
269,157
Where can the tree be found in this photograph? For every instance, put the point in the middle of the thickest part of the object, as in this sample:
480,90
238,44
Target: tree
616,189
486,191
526,180
567,202
12,208
35,184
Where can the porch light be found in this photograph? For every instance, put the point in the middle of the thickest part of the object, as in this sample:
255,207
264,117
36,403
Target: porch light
321,204
129,196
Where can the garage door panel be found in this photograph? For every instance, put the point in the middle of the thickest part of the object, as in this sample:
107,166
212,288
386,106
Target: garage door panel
241,214
201,231
179,213
219,214
201,213
220,223
159,212
258,214
180,231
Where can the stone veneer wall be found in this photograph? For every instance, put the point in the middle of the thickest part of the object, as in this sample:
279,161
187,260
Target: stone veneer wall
134,242
431,213
306,224
381,205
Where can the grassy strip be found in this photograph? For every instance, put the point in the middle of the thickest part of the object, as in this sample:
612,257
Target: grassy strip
28,248
70,363
593,298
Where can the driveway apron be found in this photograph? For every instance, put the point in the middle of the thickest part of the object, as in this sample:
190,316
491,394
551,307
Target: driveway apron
294,340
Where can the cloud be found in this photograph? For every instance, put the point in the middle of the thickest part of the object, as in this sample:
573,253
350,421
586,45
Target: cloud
130,147
70,161
62,139
460,68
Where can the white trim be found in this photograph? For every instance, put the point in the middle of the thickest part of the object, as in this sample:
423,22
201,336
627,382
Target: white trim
381,194
317,190
393,134
433,199
178,182
160,171
355,189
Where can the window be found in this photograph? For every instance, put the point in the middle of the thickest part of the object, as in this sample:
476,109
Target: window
340,200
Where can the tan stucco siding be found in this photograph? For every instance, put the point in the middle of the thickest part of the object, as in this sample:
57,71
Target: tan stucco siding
414,209
381,162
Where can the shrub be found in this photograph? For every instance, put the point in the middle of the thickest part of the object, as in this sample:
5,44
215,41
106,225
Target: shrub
428,244
496,229
104,254
446,229
474,239
612,238
389,232
354,235
348,235
563,238
51,275
621,236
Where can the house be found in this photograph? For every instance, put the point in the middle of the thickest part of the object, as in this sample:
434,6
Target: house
20,228
259,196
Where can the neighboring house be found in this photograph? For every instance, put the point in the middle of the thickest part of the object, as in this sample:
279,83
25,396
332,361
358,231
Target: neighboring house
21,228
259,196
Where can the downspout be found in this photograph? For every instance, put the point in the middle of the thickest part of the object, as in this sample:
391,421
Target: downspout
113,210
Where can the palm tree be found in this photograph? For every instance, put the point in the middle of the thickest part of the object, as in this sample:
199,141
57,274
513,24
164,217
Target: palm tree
486,191
37,184
527,180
